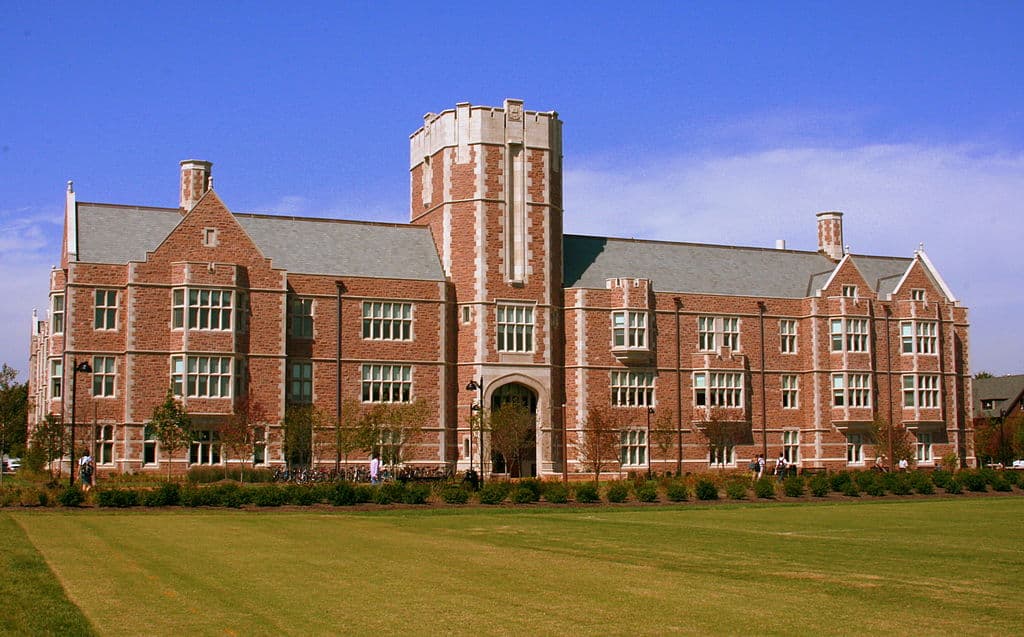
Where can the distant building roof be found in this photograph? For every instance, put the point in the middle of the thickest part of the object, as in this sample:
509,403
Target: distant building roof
119,234
1003,393
711,269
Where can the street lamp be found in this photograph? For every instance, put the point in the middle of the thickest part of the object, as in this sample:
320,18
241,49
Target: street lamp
478,407
77,367
650,410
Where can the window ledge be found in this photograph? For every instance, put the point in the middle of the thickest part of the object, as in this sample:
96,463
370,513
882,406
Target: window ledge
632,355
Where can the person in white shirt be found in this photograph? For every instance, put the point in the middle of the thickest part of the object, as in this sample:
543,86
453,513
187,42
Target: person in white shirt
375,468
904,465
85,468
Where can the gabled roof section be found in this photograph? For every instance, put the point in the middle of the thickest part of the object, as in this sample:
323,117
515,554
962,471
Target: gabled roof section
929,268
1004,391
883,273
710,269
119,234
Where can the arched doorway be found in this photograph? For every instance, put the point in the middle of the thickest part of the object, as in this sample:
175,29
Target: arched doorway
514,429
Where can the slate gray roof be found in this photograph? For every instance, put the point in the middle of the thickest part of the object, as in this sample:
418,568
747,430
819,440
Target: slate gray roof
119,234
1006,391
710,269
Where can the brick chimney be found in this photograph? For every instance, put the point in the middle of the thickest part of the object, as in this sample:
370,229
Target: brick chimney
195,181
830,234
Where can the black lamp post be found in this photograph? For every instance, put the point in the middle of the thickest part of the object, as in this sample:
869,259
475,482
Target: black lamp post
77,367
650,410
479,408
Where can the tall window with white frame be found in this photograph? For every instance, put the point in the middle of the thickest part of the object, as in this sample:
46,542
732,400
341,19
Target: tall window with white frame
105,311
718,389
104,444
721,453
300,317
629,329
917,294
201,376
850,291
205,447
855,448
103,376
790,391
712,330
56,378
918,337
791,446
851,390
259,445
921,390
515,328
57,314
850,334
632,389
149,443
633,448
387,321
924,448
731,332
202,309
387,383
706,333
300,382
787,336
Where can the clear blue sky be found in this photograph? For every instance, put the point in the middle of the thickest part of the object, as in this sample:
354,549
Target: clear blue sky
711,122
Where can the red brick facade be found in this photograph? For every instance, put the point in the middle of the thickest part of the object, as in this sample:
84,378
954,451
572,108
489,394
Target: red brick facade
487,184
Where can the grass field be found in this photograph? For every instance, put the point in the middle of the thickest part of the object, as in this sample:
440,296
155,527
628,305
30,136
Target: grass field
907,567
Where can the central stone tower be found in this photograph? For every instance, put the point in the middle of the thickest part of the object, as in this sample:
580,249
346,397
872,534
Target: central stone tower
488,183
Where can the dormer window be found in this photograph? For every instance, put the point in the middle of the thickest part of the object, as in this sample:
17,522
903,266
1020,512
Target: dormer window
850,291
917,294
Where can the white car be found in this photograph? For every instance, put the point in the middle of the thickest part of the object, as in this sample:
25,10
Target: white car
1018,464
12,464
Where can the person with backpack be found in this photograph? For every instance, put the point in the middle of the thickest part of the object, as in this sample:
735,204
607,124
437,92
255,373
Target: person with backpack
780,467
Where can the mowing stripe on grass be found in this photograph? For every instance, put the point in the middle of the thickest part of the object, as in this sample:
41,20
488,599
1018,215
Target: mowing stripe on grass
32,601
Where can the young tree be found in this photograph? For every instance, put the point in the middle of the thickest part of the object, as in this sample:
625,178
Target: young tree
664,434
393,427
238,433
297,430
722,436
324,442
598,448
903,447
512,431
48,444
172,427
352,434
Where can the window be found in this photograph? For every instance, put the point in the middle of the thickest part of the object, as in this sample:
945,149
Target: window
629,330
204,309
466,313
148,445
924,447
718,389
56,378
106,310
633,389
242,313
57,314
103,376
201,376
920,390
918,337
387,383
851,334
917,294
851,390
300,317
387,321
790,391
259,445
210,237
791,446
104,444
850,291
300,383
633,449
205,448
855,448
988,403
709,328
787,336
515,328
722,454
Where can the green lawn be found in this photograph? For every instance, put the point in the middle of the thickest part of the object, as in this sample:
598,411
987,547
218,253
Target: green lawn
931,566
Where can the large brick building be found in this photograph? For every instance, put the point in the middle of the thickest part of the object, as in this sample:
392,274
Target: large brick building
787,351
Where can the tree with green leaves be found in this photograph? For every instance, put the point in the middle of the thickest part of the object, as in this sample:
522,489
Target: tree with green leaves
903,445
352,433
49,443
13,413
391,428
172,426
512,434
664,434
297,429
598,448
238,433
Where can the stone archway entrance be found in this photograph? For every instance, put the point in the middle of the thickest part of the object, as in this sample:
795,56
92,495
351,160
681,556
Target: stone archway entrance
526,465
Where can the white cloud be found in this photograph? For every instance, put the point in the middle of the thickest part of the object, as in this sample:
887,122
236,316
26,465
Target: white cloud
963,204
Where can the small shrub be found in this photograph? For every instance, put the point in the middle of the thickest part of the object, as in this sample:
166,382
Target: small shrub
587,492
987,474
416,494
167,494
677,491
617,492
736,490
941,478
120,498
227,494
706,490
901,484
454,494
10,497
1001,484
646,491
1013,477
522,495
851,490
918,478
793,486
300,495
556,492
875,488
865,479
954,486
70,497
494,492
819,486
268,495
389,492
764,488
924,487
838,481
364,493
534,486
974,481
342,494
